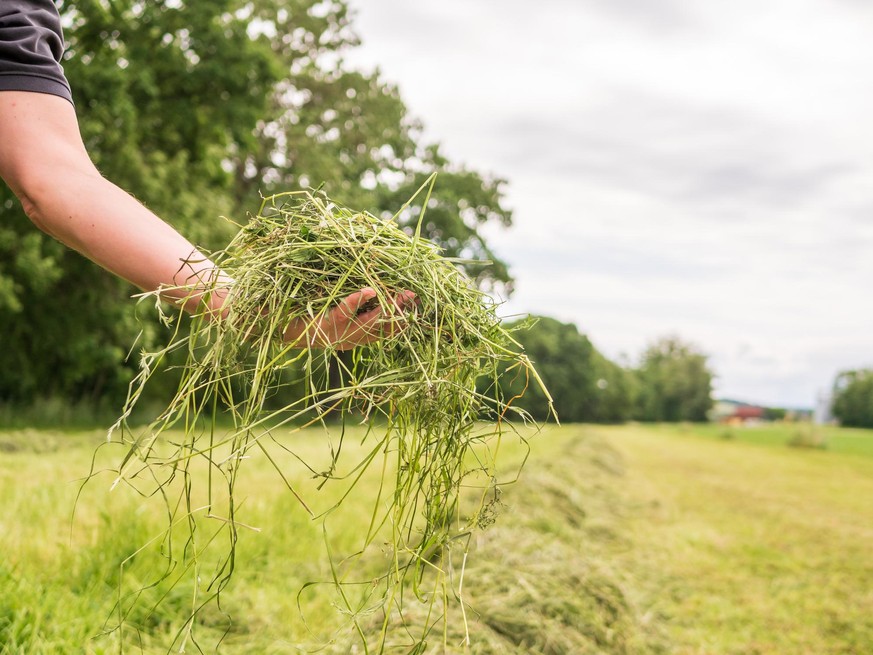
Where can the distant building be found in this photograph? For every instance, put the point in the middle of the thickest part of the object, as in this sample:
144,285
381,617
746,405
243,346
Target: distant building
736,412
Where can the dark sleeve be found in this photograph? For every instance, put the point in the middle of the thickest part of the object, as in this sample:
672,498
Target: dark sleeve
31,48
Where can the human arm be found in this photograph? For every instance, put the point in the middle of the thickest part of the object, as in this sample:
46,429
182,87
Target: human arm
44,161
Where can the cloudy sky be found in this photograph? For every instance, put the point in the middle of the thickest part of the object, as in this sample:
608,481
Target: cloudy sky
700,169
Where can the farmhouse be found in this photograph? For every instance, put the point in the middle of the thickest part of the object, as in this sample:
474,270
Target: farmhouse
735,412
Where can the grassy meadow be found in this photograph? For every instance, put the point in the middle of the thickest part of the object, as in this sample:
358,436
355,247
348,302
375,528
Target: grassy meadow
622,540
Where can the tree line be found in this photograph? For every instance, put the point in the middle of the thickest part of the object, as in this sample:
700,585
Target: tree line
852,399
671,382
200,108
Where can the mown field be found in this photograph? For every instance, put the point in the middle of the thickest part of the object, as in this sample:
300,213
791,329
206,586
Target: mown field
619,540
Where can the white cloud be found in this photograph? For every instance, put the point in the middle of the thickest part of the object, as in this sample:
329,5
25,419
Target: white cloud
700,169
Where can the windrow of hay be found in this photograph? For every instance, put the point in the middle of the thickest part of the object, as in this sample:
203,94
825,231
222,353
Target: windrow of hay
422,391
550,578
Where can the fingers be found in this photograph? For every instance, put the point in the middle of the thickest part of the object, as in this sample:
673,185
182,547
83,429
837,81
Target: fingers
369,321
359,303
357,320
369,307
354,321
405,300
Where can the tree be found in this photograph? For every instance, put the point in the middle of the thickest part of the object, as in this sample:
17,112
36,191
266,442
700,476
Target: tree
351,134
675,383
196,108
584,385
616,392
775,413
853,398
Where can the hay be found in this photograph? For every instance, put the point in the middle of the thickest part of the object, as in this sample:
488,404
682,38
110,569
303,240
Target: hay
421,389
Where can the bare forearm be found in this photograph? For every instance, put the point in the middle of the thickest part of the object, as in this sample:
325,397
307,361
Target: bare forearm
43,159
112,229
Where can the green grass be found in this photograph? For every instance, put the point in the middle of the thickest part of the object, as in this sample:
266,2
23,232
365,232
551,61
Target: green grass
850,441
630,540
759,550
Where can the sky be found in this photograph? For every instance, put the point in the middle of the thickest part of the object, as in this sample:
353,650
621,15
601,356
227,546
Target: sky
702,170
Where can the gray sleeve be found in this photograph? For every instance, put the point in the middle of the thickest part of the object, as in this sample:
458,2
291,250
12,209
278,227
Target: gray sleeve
31,48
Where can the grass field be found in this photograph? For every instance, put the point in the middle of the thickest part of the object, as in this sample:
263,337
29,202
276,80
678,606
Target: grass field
620,540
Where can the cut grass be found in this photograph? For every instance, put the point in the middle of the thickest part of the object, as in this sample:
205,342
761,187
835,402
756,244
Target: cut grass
632,540
418,390
748,549
539,581
849,441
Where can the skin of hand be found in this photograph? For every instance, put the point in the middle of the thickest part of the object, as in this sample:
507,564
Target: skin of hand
346,326
45,163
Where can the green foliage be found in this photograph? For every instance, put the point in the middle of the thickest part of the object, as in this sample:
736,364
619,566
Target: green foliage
775,414
616,391
350,133
584,384
853,398
675,383
64,329
196,108
465,201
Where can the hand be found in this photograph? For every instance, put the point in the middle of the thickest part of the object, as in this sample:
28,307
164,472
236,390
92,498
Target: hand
353,322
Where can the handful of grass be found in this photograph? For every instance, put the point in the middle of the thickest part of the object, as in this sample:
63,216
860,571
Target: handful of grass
422,390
